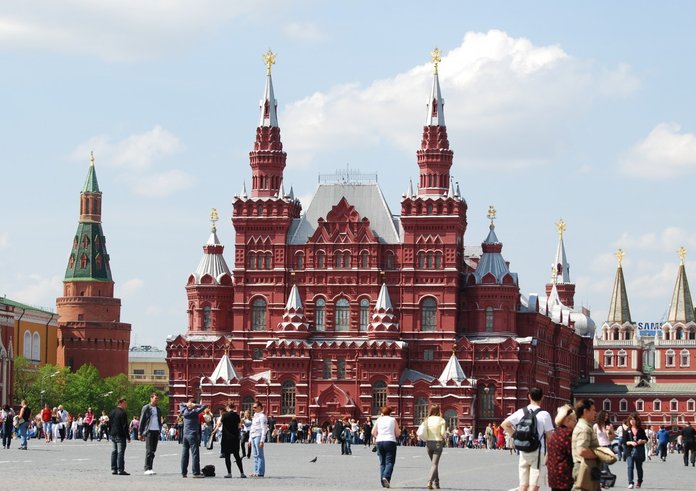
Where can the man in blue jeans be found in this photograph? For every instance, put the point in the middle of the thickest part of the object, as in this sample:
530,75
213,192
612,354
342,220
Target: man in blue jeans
118,429
24,418
190,412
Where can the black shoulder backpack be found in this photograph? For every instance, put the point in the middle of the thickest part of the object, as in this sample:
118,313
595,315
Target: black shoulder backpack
526,436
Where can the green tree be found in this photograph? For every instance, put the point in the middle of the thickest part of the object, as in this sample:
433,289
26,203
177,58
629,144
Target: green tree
86,388
24,377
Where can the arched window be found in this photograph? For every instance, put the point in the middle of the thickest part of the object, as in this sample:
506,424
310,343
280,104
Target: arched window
623,405
438,260
83,261
389,260
429,260
326,372
420,410
287,397
252,261
341,369
657,405
489,319
346,260
98,261
258,315
206,318
621,358
429,314
321,260
320,315
640,405
669,358
616,334
36,347
27,345
268,260
259,261
421,260
486,395
338,259
684,358
379,396
299,261
247,402
451,419
364,260
342,315
609,358
364,314
606,405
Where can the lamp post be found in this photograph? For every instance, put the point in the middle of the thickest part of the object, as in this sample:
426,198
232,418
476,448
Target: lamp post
43,383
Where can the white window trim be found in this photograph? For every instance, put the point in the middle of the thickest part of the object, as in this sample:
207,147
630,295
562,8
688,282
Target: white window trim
606,404
657,405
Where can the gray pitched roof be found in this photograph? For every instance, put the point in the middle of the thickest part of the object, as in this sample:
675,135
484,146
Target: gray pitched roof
368,200
649,389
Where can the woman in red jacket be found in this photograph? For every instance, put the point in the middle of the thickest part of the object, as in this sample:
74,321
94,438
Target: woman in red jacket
559,460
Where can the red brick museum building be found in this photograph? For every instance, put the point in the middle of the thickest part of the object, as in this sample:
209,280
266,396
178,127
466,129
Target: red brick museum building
340,308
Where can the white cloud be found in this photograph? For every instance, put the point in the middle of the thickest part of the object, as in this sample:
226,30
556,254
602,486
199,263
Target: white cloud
496,88
137,152
136,156
163,184
116,30
303,32
665,153
39,290
131,287
666,241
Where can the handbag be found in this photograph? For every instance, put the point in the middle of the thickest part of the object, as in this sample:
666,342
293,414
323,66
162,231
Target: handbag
605,455
588,476
422,432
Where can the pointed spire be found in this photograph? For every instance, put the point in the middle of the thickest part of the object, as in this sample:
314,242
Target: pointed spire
436,104
224,370
561,266
268,104
383,319
451,192
281,191
434,156
91,184
291,195
682,307
492,261
409,191
243,194
453,371
619,310
294,323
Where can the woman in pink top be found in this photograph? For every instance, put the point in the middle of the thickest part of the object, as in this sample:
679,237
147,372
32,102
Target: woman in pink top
88,425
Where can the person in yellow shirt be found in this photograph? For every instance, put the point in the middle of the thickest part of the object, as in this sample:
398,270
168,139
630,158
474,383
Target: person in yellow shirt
434,440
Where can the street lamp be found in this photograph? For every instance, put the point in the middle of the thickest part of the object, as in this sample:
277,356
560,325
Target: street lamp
43,383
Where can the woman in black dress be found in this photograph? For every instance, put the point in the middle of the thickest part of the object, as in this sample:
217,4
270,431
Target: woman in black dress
230,423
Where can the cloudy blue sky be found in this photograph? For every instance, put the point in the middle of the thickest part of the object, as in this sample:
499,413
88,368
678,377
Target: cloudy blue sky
579,110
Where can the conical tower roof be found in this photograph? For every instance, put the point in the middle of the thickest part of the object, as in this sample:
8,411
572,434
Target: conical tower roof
224,370
453,371
682,307
561,273
294,323
213,263
91,184
619,310
492,261
383,319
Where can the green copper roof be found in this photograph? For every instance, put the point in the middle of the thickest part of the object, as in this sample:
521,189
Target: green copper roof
23,306
91,184
682,306
618,309
88,258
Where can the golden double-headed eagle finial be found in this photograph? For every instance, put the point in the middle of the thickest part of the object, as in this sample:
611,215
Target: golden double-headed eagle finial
561,227
214,217
436,56
491,213
269,58
682,254
620,255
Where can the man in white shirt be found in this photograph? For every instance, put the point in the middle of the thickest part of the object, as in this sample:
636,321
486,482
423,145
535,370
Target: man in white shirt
530,462
257,435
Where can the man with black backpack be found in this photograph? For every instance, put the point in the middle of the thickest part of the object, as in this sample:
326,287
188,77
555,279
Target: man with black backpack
530,428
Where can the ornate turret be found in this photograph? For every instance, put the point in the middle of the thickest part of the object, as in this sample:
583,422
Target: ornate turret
619,310
682,307
294,323
492,267
89,315
213,263
224,370
383,323
560,272
434,156
267,160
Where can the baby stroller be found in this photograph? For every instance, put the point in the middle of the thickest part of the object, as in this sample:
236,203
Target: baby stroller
607,479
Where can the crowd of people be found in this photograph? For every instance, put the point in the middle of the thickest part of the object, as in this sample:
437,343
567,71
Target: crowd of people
576,448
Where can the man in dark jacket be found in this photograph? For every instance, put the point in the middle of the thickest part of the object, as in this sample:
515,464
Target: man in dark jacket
192,440
118,429
689,442
150,428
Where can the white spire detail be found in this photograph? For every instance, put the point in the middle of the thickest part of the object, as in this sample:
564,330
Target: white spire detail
436,105
409,191
243,193
561,264
268,105
294,300
294,323
224,370
451,193
281,191
383,300
383,318
453,371
292,194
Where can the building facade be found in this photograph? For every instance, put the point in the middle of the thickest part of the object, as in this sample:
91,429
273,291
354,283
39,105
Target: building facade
654,376
345,307
147,365
6,353
89,316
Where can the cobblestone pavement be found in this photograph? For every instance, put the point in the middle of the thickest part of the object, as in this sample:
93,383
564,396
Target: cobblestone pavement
74,466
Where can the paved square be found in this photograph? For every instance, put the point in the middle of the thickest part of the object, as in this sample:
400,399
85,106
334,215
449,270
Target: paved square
75,466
